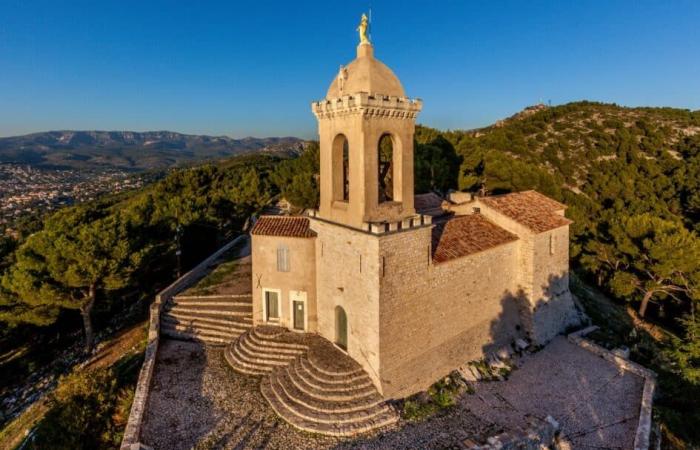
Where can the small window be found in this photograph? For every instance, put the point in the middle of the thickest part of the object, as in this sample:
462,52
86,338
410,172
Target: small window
551,244
282,258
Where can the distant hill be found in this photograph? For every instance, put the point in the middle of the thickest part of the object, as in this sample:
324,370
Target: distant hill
132,150
571,143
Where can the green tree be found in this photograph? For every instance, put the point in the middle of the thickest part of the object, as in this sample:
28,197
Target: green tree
297,179
685,351
653,257
80,253
436,166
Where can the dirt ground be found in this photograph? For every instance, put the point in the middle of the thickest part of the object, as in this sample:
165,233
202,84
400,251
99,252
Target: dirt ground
197,401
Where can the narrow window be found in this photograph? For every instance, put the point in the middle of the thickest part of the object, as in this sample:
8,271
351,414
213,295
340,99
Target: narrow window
346,171
340,156
551,244
282,258
385,159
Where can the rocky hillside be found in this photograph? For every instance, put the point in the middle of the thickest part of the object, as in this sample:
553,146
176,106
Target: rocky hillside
569,140
131,150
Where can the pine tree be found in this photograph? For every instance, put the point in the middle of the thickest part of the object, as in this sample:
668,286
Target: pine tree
80,253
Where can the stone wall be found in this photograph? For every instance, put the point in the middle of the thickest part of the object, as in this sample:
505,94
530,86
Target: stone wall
347,273
553,309
132,433
543,274
435,317
301,276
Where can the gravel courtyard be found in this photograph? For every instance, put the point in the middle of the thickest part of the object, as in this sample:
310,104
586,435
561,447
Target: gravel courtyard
197,401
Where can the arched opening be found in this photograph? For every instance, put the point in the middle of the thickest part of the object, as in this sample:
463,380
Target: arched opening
341,169
385,154
341,328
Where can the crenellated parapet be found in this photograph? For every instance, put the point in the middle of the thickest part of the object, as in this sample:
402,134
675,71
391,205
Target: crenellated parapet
387,226
368,105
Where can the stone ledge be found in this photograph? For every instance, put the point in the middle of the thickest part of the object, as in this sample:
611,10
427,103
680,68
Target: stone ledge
641,439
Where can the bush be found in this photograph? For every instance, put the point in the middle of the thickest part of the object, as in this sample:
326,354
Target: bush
80,413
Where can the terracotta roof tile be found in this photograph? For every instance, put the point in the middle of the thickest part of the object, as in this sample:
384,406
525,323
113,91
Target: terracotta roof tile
464,235
530,208
289,226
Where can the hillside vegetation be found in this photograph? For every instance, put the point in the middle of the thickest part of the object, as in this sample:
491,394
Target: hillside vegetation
630,176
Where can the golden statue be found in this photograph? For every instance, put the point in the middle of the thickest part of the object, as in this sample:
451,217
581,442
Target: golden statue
363,29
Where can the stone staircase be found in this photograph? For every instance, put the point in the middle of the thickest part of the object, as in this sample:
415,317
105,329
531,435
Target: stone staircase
309,383
216,319
337,403
261,349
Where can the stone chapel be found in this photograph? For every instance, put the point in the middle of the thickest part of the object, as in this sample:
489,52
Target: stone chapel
409,286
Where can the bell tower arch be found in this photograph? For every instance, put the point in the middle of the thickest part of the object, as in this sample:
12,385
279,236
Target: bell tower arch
366,125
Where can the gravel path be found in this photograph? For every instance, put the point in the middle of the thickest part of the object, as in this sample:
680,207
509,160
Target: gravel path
197,401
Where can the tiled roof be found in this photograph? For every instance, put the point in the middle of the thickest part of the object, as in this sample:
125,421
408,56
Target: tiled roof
529,208
289,226
429,204
464,235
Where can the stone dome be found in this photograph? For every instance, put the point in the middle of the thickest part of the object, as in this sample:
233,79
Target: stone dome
365,74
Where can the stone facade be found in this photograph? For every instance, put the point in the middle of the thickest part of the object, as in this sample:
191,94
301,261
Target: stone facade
297,283
437,316
376,285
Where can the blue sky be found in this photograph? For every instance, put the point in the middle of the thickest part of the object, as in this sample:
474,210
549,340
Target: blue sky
253,67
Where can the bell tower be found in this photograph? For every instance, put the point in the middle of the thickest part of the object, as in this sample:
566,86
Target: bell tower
366,125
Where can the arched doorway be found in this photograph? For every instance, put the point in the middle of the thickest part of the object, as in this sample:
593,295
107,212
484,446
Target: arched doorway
341,328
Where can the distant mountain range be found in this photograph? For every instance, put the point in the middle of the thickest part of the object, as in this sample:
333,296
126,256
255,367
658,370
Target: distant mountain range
131,150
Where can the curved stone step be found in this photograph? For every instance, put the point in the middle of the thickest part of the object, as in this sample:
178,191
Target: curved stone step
328,405
240,366
273,342
386,418
257,359
340,374
335,392
265,347
325,377
264,353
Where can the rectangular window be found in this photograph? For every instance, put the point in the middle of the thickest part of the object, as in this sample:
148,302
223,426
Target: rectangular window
282,258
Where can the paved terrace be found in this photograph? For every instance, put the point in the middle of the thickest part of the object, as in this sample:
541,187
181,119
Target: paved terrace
198,401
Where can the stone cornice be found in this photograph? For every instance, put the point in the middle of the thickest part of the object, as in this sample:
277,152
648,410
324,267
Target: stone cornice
368,105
